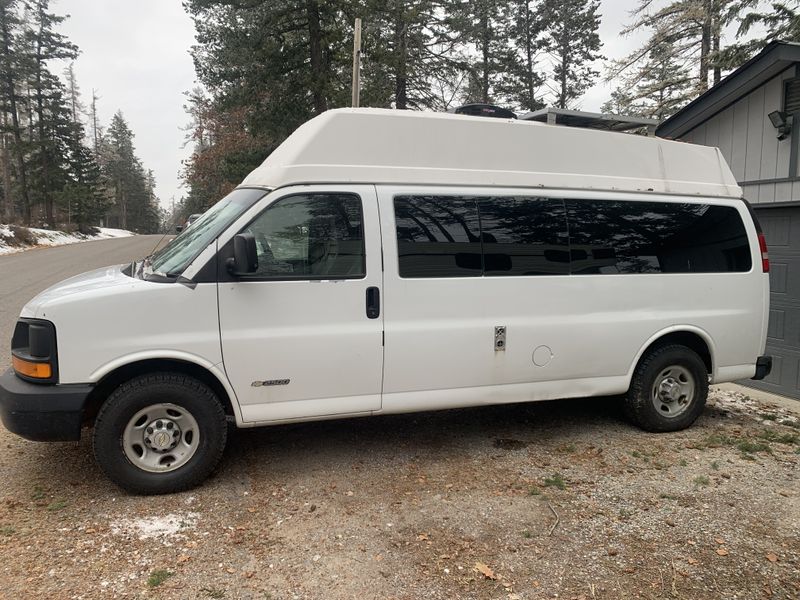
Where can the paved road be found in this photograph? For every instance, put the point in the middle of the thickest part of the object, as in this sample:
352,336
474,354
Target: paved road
25,274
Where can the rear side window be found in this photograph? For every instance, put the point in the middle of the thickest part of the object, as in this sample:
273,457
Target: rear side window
524,236
456,236
438,236
656,237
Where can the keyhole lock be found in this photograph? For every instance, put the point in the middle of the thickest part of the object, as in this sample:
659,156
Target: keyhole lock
499,338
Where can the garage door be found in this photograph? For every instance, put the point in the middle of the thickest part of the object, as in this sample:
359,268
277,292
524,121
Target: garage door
782,231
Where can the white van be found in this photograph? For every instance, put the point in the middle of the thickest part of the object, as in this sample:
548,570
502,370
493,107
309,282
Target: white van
386,261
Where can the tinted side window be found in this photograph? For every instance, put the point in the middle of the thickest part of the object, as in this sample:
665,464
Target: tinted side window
524,236
438,236
310,236
655,237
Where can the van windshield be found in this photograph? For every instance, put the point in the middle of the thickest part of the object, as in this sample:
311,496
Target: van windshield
173,258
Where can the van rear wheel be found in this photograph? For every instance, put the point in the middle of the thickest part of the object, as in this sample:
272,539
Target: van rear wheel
160,433
668,390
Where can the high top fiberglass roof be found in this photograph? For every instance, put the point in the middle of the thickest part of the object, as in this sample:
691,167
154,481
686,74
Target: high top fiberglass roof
381,146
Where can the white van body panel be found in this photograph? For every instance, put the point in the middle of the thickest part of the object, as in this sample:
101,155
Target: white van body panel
106,319
373,145
312,334
592,329
217,370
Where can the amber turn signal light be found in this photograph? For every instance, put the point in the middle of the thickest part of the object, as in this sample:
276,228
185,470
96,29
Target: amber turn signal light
28,368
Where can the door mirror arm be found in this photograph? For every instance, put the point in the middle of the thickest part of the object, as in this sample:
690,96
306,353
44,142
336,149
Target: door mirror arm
245,255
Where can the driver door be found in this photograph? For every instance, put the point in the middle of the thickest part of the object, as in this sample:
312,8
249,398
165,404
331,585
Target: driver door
303,336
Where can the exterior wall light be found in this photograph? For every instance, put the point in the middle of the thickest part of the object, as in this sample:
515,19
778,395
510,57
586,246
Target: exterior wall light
782,122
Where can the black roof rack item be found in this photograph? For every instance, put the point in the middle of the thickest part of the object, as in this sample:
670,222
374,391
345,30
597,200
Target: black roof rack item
484,110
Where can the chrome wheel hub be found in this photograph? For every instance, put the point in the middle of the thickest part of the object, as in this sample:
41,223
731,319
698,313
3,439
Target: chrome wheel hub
162,435
673,391
161,438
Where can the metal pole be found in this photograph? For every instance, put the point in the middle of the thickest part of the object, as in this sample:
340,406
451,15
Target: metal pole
356,63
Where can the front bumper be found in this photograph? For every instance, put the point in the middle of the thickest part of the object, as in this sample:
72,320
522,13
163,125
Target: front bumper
41,412
763,367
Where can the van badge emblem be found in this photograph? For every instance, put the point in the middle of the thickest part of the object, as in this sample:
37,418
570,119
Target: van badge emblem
270,382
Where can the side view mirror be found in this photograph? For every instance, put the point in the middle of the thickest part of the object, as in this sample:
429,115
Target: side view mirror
178,228
245,255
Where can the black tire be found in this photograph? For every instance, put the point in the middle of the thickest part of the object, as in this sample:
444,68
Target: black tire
138,394
639,404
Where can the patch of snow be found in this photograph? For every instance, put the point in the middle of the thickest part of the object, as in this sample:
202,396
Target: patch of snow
47,237
108,232
165,526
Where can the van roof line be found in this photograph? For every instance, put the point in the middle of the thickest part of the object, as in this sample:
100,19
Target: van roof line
406,147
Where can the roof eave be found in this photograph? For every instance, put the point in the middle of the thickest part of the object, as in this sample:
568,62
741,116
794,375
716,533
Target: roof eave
771,61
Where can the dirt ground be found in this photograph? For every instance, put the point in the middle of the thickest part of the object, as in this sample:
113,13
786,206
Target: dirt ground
548,500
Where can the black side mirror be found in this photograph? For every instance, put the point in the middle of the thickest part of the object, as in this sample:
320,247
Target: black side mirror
245,255
178,228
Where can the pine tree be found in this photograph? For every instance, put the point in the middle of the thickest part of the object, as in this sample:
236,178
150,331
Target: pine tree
656,89
405,47
119,164
284,61
571,34
267,67
11,71
484,26
691,28
526,26
5,165
48,173
82,196
131,186
46,45
97,131
778,20
73,93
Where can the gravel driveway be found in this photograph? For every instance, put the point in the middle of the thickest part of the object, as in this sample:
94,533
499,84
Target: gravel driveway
549,500
537,501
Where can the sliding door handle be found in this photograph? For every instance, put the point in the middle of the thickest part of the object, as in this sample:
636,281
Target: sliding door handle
373,303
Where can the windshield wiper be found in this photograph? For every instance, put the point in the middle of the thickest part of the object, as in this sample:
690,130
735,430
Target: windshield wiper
170,278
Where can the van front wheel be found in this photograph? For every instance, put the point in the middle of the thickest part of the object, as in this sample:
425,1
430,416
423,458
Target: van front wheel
160,433
668,390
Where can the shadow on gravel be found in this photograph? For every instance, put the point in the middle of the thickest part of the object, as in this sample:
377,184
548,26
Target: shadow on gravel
449,432
332,444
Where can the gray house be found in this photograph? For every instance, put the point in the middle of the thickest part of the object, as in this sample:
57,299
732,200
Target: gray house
753,117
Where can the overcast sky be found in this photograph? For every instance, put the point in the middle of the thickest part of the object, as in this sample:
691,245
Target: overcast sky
135,53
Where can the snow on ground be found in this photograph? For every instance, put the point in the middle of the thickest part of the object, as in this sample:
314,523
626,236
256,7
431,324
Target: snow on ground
47,237
108,232
164,526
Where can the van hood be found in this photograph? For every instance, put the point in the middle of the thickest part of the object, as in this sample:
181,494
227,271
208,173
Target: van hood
89,283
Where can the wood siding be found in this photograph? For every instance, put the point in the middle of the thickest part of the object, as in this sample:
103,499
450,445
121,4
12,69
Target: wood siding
748,141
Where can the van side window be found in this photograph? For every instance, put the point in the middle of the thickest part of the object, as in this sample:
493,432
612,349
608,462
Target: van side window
438,236
524,236
310,236
656,237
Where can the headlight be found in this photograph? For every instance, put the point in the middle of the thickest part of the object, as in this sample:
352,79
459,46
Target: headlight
33,351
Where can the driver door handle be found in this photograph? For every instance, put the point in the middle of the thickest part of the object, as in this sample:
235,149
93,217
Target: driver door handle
373,303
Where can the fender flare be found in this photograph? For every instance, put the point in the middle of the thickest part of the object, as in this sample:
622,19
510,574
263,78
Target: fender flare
701,333
216,370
